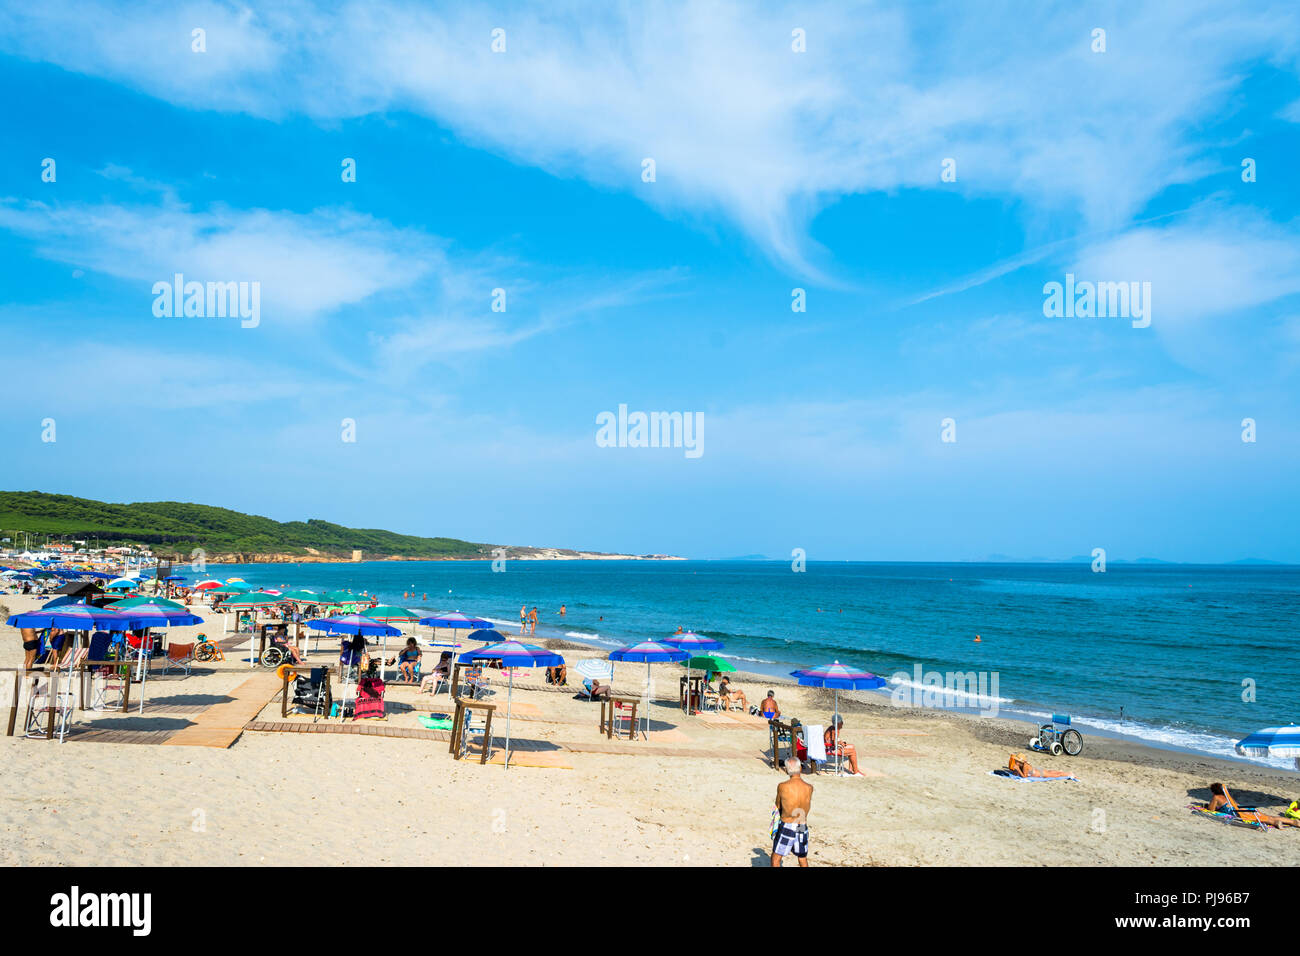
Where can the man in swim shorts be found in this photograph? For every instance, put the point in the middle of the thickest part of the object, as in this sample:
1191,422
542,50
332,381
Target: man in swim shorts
793,801
31,645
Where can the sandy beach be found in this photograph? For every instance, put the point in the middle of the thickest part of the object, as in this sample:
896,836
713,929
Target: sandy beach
698,792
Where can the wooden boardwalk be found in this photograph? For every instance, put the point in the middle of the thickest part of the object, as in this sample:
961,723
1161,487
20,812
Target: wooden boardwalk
221,724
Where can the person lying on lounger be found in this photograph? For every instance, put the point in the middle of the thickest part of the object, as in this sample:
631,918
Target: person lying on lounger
596,689
1221,802
834,735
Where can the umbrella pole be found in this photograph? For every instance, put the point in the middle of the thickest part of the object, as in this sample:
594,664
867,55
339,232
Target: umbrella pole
510,694
144,672
835,737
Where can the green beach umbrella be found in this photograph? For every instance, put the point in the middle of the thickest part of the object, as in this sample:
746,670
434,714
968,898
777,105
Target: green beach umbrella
304,596
706,663
231,589
387,612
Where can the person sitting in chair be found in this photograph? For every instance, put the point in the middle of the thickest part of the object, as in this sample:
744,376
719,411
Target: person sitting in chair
280,638
408,657
835,735
595,689
727,696
559,676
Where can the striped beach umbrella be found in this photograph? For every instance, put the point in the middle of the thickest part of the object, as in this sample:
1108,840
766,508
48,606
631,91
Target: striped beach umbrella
648,652
838,677
690,641
205,585
354,624
456,621
127,603
1272,742
387,612
511,654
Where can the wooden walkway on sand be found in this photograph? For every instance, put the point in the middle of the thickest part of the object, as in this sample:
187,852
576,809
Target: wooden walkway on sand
221,724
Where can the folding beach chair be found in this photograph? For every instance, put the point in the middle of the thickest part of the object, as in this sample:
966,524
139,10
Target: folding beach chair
813,750
477,682
38,705
475,727
620,716
179,657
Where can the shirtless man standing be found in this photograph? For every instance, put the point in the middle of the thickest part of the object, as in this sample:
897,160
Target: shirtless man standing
793,800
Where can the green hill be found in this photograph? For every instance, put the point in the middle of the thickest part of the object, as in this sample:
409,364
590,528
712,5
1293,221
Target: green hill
179,527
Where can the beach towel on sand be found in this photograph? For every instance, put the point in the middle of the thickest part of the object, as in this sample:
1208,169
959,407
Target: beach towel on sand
1006,774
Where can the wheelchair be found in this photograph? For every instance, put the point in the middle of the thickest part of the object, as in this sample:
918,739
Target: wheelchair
1053,741
207,650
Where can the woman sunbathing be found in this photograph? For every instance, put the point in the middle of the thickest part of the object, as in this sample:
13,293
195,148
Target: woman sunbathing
1221,802
408,657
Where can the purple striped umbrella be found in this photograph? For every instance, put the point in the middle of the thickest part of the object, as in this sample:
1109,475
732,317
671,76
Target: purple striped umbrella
838,677
651,652
511,654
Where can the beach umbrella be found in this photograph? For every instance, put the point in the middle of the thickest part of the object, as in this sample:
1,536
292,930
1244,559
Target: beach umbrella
690,641
231,589
511,654
127,603
648,652
837,677
353,624
174,577
710,663
160,614
205,585
121,584
387,612
456,621
234,580
1272,742
595,669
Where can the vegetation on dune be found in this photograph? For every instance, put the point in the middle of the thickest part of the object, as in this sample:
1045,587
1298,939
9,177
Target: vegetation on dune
178,527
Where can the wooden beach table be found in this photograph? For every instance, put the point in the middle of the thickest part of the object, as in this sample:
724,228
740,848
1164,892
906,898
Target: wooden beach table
607,715
458,722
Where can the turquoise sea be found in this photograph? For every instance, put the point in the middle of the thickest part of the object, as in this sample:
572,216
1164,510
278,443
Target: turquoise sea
1170,654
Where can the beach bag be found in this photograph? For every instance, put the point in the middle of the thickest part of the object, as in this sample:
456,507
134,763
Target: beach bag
1293,811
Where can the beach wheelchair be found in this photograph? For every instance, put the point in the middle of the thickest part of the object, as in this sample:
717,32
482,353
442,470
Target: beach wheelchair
1052,740
207,650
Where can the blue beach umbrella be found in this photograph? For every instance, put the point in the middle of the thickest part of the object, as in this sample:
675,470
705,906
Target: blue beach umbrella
1272,742
353,624
838,677
649,652
511,654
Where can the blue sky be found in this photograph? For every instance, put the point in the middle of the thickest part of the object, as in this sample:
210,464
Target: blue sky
775,170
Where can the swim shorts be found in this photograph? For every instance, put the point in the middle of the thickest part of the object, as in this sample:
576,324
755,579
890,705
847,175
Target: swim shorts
791,836
32,645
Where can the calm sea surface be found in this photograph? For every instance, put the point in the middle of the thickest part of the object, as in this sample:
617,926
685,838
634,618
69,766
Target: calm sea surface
1172,647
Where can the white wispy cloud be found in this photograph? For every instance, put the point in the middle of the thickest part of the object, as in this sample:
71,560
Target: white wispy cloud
307,264
735,120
